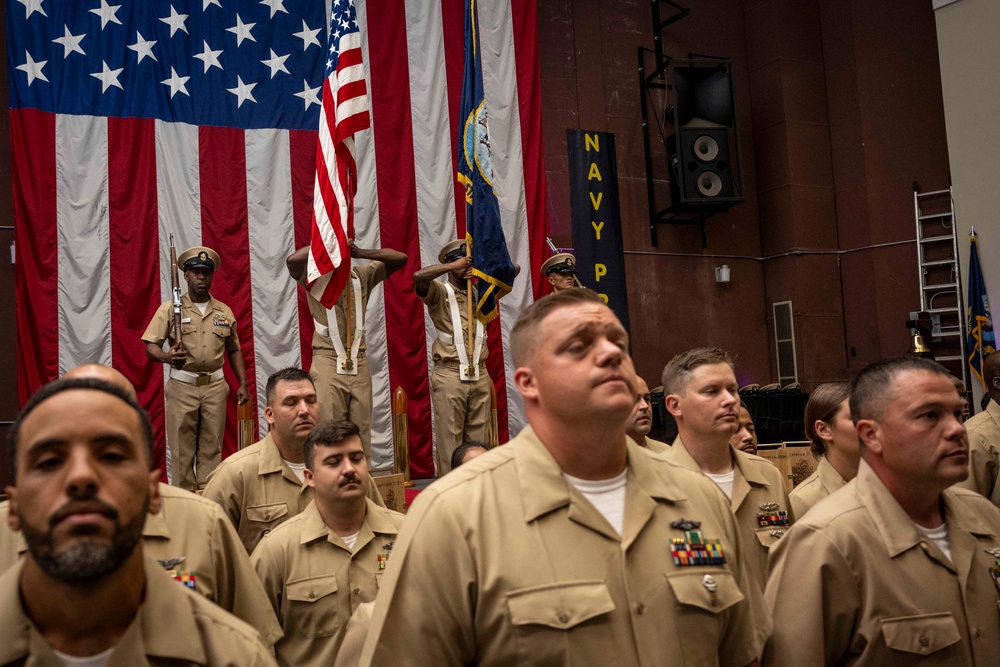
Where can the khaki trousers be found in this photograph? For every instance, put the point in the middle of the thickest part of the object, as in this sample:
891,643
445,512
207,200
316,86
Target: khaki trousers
461,411
344,396
196,420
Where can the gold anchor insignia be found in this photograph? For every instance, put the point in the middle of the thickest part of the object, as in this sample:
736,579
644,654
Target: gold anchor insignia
569,262
203,255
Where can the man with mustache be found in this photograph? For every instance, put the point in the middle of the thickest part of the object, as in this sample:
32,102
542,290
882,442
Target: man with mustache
196,392
897,567
85,593
320,565
745,438
570,545
703,397
641,420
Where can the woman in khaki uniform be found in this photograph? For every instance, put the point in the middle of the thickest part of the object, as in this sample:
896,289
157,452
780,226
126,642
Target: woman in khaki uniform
834,440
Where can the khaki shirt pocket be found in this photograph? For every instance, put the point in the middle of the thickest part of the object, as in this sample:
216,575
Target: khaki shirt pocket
769,535
267,513
222,332
695,589
188,328
310,607
922,635
544,617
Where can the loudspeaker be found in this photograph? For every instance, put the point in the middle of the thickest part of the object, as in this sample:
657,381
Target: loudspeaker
699,149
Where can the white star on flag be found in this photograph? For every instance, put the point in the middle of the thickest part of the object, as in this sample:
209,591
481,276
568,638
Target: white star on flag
243,92
108,77
242,31
309,95
33,69
206,3
177,84
108,13
307,36
209,57
276,63
142,47
275,5
70,42
33,6
175,21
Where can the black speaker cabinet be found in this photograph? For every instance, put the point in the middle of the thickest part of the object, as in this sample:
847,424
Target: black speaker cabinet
700,164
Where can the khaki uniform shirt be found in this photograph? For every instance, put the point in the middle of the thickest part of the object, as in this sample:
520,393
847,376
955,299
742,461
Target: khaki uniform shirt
855,583
257,491
503,562
194,541
315,582
206,337
984,453
814,488
370,276
173,627
656,446
440,311
756,482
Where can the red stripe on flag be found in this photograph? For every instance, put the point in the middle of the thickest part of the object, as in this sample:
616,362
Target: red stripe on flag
348,58
393,134
529,96
134,244
224,220
33,153
302,147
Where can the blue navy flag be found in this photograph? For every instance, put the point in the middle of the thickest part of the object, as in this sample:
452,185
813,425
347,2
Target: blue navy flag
981,343
491,261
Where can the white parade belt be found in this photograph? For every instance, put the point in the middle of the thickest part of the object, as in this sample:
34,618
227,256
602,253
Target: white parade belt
199,379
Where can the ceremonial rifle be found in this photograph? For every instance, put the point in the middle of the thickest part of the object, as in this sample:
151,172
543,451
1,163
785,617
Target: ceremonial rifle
175,291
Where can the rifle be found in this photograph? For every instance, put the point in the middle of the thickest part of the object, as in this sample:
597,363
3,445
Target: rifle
175,290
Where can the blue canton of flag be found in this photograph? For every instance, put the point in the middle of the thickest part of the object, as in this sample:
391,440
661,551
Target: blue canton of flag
238,64
981,343
491,261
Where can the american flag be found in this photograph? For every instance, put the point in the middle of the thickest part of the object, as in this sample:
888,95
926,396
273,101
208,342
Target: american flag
344,113
198,118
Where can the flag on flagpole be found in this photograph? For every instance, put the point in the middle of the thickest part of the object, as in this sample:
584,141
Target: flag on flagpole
491,262
981,342
344,112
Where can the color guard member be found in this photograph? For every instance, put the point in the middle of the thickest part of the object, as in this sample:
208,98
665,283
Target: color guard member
196,392
895,568
560,271
339,362
570,545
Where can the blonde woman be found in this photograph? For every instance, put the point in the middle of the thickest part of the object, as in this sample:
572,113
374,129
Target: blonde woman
834,440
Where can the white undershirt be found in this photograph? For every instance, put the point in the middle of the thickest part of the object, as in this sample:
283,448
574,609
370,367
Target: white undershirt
99,660
298,469
724,482
350,540
938,536
607,495
202,307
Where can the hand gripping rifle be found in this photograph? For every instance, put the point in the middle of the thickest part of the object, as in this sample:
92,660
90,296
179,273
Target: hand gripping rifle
175,291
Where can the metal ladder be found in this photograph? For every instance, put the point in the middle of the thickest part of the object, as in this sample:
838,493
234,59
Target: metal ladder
940,277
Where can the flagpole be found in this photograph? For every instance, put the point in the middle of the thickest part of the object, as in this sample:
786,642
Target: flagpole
468,294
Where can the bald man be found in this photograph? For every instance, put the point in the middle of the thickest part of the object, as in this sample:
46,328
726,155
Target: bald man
190,536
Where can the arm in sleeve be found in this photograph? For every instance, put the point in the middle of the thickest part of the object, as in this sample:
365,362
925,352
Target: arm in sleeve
813,598
158,329
239,591
268,560
983,466
225,489
424,615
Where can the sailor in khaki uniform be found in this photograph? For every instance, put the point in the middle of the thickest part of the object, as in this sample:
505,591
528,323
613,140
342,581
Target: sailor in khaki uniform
196,391
339,363
702,396
984,438
262,486
641,420
459,383
85,591
570,545
319,566
560,271
895,568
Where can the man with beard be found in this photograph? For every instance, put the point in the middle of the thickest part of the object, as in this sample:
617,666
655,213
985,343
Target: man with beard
81,455
319,566
641,420
196,392
745,438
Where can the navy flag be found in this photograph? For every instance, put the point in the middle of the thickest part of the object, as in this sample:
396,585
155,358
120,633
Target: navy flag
981,343
491,261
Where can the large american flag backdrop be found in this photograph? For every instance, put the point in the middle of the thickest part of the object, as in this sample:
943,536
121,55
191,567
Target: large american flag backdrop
198,118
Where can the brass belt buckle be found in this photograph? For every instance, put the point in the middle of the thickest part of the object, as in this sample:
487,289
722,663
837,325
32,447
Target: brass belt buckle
347,365
202,380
